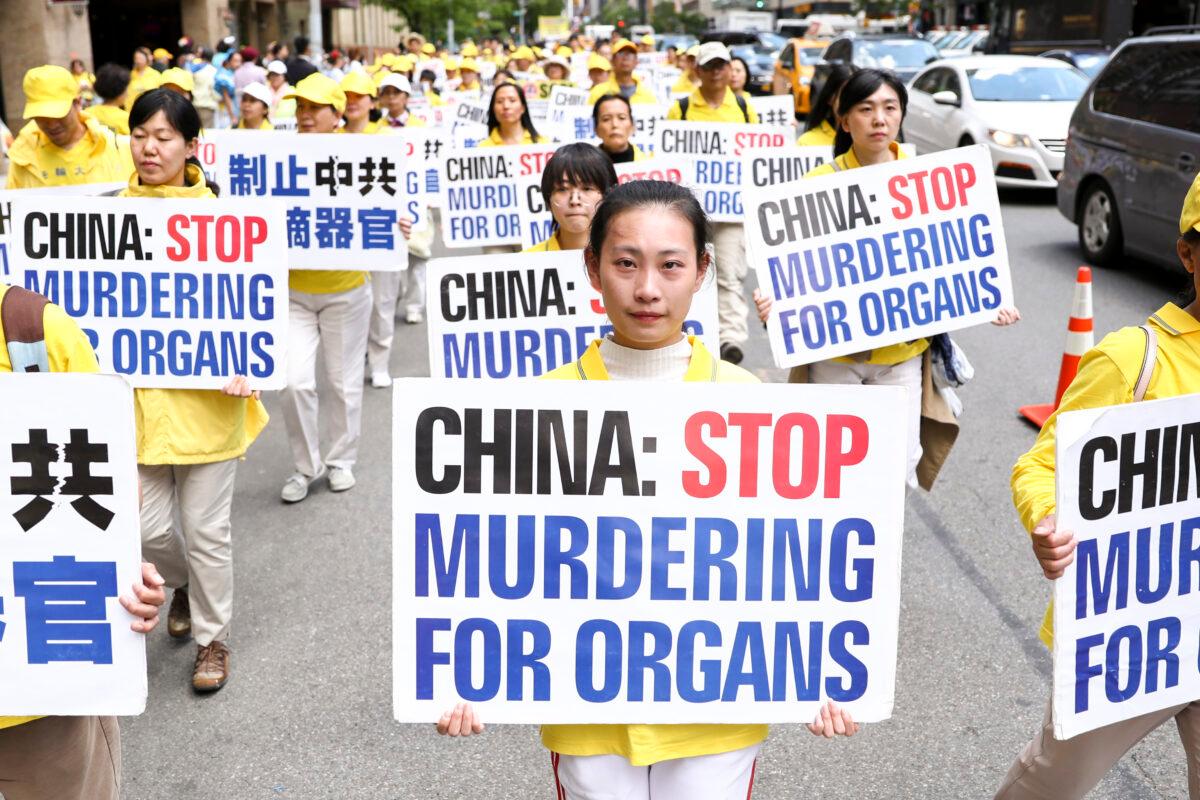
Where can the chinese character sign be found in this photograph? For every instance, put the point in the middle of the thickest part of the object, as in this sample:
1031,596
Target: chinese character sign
1127,610
173,293
343,194
483,190
775,109
70,543
625,552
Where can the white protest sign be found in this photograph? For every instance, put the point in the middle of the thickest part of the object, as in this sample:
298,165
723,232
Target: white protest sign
646,119
437,141
775,109
483,190
173,293
771,166
416,165
70,544
470,123
343,194
523,314
6,195
864,258
593,552
1127,610
715,150
569,115
672,169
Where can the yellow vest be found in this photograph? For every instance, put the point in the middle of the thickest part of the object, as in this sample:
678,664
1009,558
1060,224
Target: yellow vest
820,136
35,161
191,426
1107,376
649,744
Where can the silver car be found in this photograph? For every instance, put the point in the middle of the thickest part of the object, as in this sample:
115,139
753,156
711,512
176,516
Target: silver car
1133,149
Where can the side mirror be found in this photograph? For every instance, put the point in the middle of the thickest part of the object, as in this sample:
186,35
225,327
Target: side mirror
946,98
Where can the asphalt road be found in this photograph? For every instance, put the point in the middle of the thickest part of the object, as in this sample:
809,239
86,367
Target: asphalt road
307,713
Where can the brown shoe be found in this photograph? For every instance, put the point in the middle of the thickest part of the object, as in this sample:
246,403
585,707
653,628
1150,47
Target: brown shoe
179,618
212,667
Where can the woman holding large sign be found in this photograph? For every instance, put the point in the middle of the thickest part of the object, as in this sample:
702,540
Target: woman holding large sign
509,121
647,257
1157,360
574,181
189,440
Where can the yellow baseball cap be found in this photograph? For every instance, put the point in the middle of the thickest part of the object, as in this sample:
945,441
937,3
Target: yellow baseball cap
648,39
469,64
388,59
469,50
402,64
693,51
563,51
428,48
522,53
358,83
1189,220
597,61
179,77
622,44
317,88
49,92
450,62
162,54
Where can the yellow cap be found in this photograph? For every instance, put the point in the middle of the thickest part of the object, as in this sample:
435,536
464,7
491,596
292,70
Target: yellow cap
388,59
648,39
563,51
522,53
358,82
428,48
622,44
693,51
151,79
317,88
469,63
179,77
162,54
597,61
49,92
469,51
450,62
402,64
1189,220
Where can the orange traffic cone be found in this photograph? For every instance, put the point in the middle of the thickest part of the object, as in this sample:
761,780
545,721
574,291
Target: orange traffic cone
1080,339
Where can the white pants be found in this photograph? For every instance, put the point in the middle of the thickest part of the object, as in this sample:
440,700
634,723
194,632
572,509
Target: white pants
906,374
729,244
385,291
198,555
721,776
337,324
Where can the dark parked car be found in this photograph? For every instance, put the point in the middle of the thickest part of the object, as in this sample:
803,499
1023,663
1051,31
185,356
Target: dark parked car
903,55
1133,149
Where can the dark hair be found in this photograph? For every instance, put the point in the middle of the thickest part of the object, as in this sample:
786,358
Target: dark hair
526,120
861,85
431,76
605,99
502,74
1188,296
746,67
581,164
301,43
638,194
181,115
111,81
822,109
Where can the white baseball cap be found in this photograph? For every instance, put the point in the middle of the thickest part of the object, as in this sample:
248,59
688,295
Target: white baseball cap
396,81
278,67
711,51
258,91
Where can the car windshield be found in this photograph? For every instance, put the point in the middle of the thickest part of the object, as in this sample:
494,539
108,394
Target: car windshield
810,55
1026,84
1091,64
771,41
897,53
951,41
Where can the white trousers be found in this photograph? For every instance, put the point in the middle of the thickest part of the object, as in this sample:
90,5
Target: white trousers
385,291
729,244
906,374
721,776
198,554
337,325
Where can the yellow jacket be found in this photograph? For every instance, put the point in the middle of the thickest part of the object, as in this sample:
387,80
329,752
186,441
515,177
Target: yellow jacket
684,84
115,118
494,140
699,110
642,94
550,245
1107,376
649,744
821,136
141,81
35,161
191,426
68,350
893,353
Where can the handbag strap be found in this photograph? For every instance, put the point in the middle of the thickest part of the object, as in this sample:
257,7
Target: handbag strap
1148,358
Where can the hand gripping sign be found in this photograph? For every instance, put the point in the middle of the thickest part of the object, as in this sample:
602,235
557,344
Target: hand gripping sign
524,314
483,190
173,294
628,552
1127,611
70,544
868,257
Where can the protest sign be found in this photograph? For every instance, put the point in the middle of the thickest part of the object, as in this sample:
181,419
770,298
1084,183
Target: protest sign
646,119
1126,611
6,195
523,314
568,115
70,544
173,293
864,258
343,195
470,123
630,552
715,151
772,166
672,169
483,190
775,109
437,140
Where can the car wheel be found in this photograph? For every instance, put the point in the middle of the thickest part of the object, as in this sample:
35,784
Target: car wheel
1100,236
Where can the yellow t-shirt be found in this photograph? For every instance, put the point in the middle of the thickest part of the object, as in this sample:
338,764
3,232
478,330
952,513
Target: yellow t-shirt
684,84
649,744
494,140
1107,376
141,81
893,353
35,161
265,125
67,350
641,94
115,118
700,111
821,136
550,245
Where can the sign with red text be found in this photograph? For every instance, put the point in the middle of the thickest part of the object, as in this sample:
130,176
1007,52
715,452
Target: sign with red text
483,190
172,293
595,552
864,258
1127,610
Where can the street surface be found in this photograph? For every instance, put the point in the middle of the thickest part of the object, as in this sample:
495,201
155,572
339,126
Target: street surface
307,712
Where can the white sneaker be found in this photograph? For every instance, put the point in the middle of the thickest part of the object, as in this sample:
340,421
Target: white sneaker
381,380
295,488
414,317
341,479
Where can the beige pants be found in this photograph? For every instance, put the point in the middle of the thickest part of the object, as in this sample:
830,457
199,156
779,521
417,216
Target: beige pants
1049,769
61,758
385,291
199,554
337,325
729,244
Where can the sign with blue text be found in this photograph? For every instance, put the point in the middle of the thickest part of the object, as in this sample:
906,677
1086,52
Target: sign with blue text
1127,611
483,191
70,544
6,196
591,551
